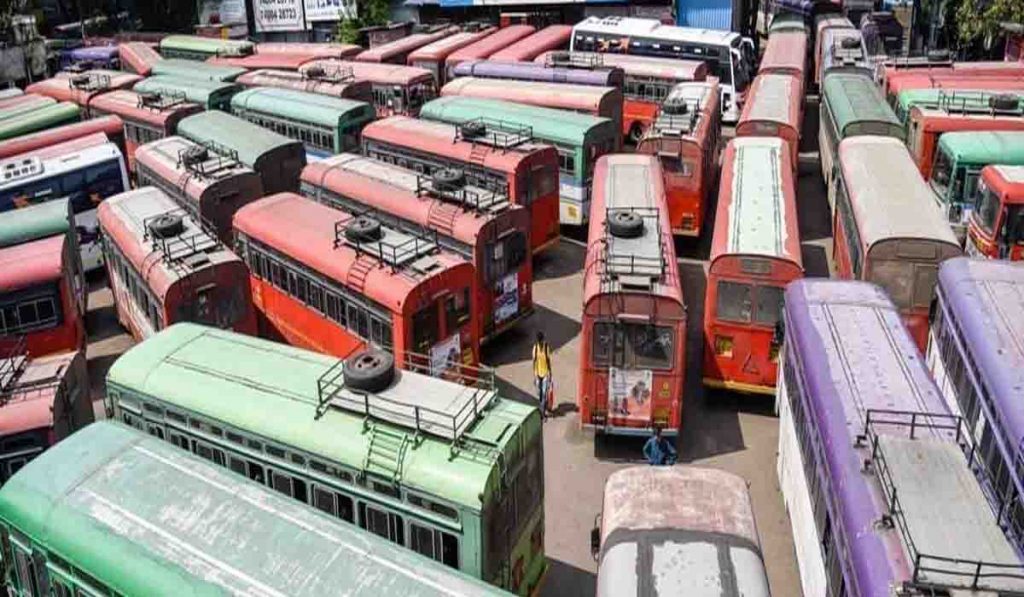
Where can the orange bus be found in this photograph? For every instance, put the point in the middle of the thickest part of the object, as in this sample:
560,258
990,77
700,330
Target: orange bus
632,356
786,53
685,138
432,56
755,253
774,108
996,227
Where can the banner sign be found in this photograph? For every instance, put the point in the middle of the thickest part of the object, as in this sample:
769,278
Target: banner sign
330,10
629,392
278,15
222,12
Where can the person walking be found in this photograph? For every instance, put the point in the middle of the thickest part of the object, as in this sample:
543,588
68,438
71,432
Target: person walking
542,372
658,450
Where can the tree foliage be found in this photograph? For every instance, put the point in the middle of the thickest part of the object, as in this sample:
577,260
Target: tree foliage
979,20
371,12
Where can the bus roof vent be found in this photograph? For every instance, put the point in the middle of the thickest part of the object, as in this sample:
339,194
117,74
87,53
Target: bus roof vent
13,359
633,250
160,101
207,159
581,60
449,184
496,133
331,73
398,249
89,81
21,168
179,238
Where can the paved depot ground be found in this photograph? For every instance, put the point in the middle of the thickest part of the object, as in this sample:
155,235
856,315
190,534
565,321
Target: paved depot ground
720,429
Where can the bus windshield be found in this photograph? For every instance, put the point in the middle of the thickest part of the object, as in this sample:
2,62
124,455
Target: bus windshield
749,303
942,175
988,207
633,345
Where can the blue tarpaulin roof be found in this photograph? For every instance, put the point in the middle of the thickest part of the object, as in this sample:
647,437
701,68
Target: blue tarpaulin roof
705,14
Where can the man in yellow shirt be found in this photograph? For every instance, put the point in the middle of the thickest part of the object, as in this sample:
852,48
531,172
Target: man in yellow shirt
542,371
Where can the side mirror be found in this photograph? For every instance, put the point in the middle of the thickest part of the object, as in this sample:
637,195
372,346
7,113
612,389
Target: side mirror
595,541
779,334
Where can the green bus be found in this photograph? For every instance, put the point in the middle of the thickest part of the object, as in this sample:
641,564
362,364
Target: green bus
190,69
579,138
934,98
45,117
449,471
114,511
194,47
212,95
325,125
959,158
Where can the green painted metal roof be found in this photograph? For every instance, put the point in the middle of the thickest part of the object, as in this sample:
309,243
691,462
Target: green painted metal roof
558,126
270,390
207,93
984,147
209,45
190,69
303,107
37,120
854,98
931,97
147,518
250,141
26,106
40,220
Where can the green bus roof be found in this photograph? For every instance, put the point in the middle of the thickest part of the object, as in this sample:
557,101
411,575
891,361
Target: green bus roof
932,97
788,21
218,128
209,45
984,147
210,94
548,124
270,390
191,69
301,106
39,220
145,517
27,106
855,99
39,119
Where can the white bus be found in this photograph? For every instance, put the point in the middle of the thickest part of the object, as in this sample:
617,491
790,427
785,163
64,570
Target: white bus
729,56
84,176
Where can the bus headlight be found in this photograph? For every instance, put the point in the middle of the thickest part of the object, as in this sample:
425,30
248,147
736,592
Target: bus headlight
723,346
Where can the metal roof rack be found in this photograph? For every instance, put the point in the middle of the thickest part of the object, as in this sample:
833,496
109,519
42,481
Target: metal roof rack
13,360
178,242
364,232
993,104
89,81
160,101
585,61
497,133
477,199
203,160
639,260
332,74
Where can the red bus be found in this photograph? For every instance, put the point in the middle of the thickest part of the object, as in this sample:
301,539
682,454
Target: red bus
525,172
332,282
147,117
685,138
786,53
397,51
632,355
163,267
396,89
347,89
287,56
432,56
210,186
138,57
888,228
552,37
475,223
489,45
755,253
927,123
996,226
917,80
774,108
81,88
605,102
44,400
111,126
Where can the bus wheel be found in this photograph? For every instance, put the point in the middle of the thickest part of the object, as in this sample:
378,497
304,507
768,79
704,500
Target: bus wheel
626,224
636,132
369,370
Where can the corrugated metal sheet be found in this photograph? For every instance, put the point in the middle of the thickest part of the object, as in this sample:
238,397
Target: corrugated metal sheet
705,14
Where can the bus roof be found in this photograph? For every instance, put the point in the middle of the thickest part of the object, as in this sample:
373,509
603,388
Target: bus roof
638,27
984,147
208,45
756,204
35,262
889,198
441,48
853,98
378,74
786,51
192,69
548,124
563,96
947,118
530,71
195,90
552,37
1010,179
311,49
25,103
776,98
56,159
403,45
138,56
131,105
641,66
110,125
698,97
42,118
251,142
64,87
28,399
253,61
499,40
302,106
977,97
270,390
207,532
163,156
39,220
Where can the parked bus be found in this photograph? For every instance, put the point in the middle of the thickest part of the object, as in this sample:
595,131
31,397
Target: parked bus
104,56
9,92
775,108
933,97
111,126
823,24
888,229
82,88
210,186
956,84
146,117
598,76
786,54
552,37
603,102
975,355
325,125
194,47
523,171
24,103
211,95
85,171
843,52
995,73
484,48
432,56
864,436
311,49
138,57
349,89
192,70
276,158
851,106
957,169
107,488
755,253
579,139
729,57
332,282
397,51
396,89
785,22
632,356
996,227
45,399
286,55
680,509
685,138
475,223
163,267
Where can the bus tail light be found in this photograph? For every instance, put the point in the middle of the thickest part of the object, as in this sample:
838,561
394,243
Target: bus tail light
723,346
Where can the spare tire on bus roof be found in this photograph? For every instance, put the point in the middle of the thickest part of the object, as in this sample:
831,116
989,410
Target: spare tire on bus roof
362,229
849,43
316,72
166,225
371,370
560,57
625,223
472,129
448,179
1003,101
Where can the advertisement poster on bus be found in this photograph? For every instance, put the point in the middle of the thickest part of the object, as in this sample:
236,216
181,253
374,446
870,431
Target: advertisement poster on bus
506,303
444,355
278,15
629,392
330,10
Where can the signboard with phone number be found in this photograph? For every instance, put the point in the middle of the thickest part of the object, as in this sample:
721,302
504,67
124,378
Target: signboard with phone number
279,15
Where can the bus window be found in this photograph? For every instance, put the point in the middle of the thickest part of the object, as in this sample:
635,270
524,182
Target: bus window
734,301
987,206
649,347
456,309
942,172
384,524
424,328
769,305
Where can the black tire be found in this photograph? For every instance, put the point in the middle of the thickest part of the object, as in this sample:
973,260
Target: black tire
79,80
675,108
625,224
315,72
1003,101
166,226
560,57
369,370
449,179
472,130
363,229
636,132
849,43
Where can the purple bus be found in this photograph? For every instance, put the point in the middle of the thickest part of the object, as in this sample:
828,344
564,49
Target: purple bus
875,470
531,71
104,57
976,354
